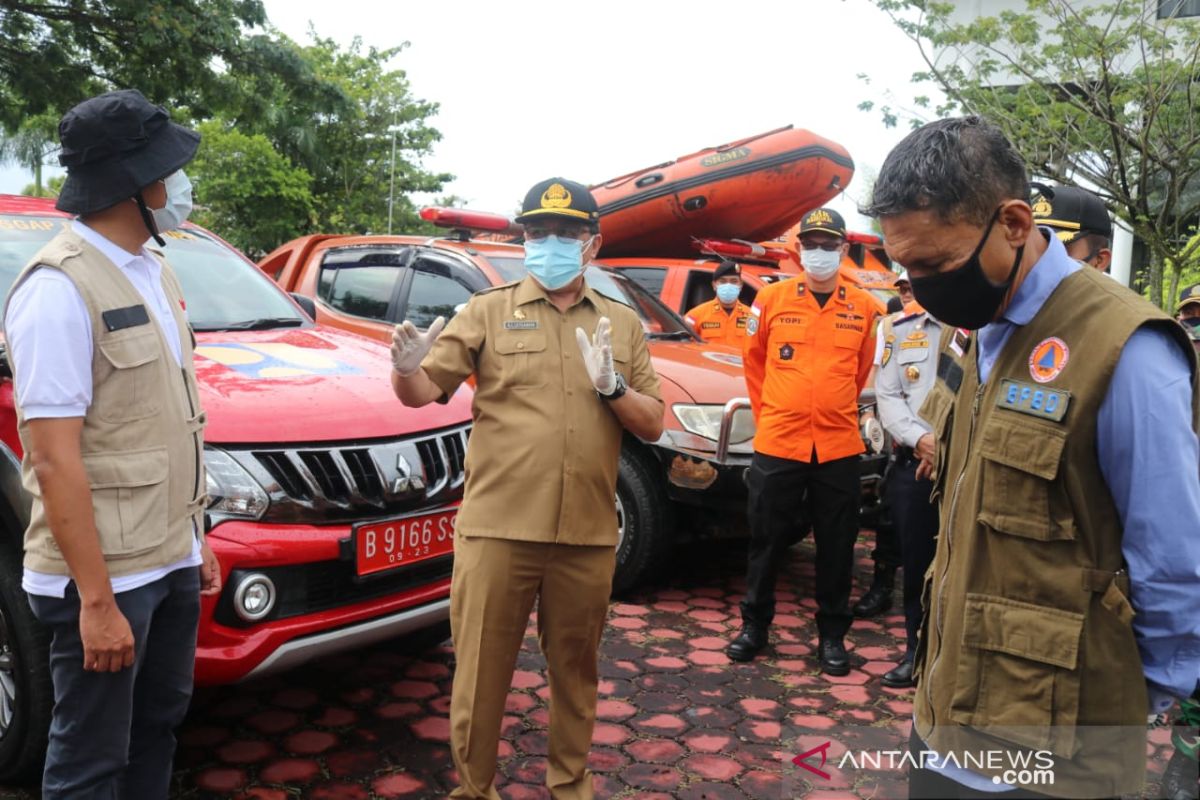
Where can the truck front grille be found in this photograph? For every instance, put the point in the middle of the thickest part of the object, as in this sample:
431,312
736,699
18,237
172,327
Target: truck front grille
358,480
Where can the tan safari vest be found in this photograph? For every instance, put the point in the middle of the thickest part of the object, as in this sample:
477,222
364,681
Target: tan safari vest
142,435
1027,632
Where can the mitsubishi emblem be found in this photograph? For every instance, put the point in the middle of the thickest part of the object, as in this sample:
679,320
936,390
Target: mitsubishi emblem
406,481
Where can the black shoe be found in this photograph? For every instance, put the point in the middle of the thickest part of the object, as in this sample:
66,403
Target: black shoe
834,660
748,643
901,677
878,598
1180,778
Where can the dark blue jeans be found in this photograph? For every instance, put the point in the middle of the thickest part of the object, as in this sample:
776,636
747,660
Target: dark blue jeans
112,736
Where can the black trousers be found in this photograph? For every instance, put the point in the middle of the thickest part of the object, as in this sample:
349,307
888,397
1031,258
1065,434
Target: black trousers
888,550
781,491
917,523
112,734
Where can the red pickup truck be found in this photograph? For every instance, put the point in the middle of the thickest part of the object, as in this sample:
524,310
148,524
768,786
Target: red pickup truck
331,507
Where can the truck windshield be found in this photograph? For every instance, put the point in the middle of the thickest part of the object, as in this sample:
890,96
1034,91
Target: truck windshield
658,321
222,290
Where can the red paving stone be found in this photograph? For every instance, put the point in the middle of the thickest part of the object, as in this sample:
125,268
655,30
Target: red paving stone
245,752
310,743
290,771
398,785
676,721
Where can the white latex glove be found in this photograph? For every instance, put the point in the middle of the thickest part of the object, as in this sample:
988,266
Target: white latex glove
597,356
410,346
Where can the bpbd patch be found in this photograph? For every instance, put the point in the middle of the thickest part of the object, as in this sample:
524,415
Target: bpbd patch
1037,401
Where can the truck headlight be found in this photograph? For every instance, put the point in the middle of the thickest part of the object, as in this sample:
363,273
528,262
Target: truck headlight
705,422
232,492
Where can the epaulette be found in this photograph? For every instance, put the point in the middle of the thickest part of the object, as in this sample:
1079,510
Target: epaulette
899,320
490,289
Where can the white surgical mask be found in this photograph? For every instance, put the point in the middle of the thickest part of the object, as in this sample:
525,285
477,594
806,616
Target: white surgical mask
179,203
821,264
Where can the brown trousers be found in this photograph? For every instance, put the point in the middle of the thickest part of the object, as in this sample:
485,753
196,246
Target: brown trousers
491,596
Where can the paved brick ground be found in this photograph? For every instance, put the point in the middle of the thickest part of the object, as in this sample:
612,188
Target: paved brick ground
676,719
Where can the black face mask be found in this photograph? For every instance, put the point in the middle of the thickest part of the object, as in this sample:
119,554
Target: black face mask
964,297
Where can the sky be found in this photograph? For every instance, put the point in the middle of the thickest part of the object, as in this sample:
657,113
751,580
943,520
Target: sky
530,89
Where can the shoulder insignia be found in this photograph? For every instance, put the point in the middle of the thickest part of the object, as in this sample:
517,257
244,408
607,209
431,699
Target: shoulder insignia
887,355
490,289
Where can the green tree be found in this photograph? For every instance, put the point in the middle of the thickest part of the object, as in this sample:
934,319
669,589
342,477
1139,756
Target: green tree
248,192
29,145
350,157
54,53
1099,93
51,189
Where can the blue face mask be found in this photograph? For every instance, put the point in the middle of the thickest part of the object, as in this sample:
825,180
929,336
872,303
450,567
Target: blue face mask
728,292
554,261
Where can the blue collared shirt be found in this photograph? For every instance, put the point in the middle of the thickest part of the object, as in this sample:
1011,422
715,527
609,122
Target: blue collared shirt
1145,421
1150,459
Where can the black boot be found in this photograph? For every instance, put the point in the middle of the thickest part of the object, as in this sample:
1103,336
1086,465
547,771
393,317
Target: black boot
901,677
749,643
834,660
878,598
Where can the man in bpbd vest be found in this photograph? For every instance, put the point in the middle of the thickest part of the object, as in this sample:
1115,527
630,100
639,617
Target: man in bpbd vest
111,426
1063,603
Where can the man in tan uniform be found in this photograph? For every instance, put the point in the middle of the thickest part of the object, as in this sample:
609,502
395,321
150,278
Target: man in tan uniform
538,519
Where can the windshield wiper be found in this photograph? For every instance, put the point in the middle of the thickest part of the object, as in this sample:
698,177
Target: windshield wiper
673,335
265,323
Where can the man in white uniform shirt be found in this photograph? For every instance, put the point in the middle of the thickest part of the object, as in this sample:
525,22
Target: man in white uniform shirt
110,422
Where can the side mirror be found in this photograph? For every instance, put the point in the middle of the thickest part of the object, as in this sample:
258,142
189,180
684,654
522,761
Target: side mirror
306,305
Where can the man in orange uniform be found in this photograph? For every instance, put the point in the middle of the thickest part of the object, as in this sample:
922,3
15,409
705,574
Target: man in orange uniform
722,319
809,348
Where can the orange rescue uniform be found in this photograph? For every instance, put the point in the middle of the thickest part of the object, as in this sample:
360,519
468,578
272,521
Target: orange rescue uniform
805,366
714,324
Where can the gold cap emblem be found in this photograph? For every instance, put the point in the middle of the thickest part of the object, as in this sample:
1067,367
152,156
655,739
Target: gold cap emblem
1042,207
556,196
819,217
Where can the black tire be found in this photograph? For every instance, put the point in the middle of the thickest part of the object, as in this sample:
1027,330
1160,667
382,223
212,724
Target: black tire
25,675
643,510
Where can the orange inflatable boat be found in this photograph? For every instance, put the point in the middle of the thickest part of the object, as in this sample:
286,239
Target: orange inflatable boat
752,189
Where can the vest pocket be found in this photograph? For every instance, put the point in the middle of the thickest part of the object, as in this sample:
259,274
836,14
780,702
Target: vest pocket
130,391
1018,677
1019,493
129,499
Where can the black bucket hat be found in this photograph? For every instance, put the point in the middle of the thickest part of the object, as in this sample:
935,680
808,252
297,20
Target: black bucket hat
115,145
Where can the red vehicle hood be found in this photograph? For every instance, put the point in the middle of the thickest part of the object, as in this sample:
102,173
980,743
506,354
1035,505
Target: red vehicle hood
708,373
307,385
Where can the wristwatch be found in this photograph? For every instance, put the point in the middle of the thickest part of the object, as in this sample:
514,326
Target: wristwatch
619,391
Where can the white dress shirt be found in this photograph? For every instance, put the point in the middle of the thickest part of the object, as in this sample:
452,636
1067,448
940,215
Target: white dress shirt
49,334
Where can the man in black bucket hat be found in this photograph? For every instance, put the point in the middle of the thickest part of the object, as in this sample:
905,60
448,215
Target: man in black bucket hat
109,418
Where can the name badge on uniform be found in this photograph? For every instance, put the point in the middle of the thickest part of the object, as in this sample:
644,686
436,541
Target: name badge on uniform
520,324
1037,401
707,326
116,319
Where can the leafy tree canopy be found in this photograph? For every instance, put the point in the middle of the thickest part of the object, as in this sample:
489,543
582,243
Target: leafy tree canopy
247,191
1103,94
